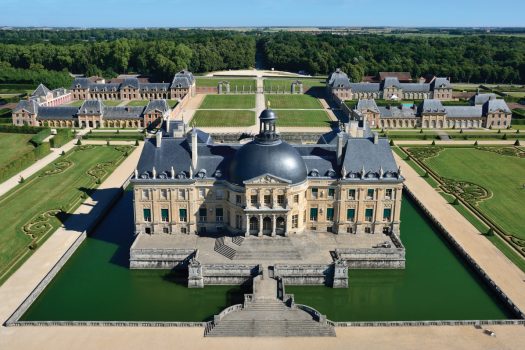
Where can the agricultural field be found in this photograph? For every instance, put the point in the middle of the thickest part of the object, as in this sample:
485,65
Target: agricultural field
287,101
222,118
279,84
228,102
13,146
306,118
53,193
235,84
499,171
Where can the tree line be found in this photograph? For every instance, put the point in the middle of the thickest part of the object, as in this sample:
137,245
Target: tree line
160,53
472,58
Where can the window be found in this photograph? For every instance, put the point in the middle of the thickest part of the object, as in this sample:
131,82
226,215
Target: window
351,194
387,214
238,199
202,214
182,194
238,222
313,214
388,193
267,200
330,214
296,198
145,194
331,193
147,214
219,216
254,199
295,221
369,213
315,191
368,230
202,192
219,194
148,230
165,230
370,193
280,199
350,214
163,193
165,215
349,230
183,230
183,215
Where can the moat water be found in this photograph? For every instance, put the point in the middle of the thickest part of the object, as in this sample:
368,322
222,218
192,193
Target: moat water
96,284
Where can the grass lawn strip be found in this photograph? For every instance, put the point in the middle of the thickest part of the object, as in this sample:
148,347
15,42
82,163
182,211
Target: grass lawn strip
313,118
228,102
13,146
221,118
292,102
36,208
234,83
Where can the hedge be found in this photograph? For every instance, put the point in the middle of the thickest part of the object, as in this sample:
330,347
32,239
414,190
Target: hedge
23,161
40,137
21,129
62,137
112,136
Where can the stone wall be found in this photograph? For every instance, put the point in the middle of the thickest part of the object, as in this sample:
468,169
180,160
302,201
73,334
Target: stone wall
374,258
229,274
159,258
305,274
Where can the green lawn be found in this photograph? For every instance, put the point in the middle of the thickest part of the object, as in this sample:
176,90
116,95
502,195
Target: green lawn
223,118
59,187
228,102
314,118
501,175
112,103
77,103
277,84
172,103
13,146
293,102
238,84
137,103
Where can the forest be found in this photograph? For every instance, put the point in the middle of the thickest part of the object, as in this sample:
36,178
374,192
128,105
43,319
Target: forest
48,55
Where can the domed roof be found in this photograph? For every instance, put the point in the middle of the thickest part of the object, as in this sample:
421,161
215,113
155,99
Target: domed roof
268,114
258,158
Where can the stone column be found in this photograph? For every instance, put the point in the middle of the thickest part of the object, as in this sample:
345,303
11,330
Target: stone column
260,233
247,231
195,276
274,225
340,279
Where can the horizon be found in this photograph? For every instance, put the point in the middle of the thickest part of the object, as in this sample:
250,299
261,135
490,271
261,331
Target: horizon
271,13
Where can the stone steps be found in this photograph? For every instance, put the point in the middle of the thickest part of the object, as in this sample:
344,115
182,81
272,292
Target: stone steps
271,328
267,255
237,240
223,249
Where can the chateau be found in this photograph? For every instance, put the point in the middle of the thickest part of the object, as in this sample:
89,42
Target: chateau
347,183
92,113
183,83
339,85
485,111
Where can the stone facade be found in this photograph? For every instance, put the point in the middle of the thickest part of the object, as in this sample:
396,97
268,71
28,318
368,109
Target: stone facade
432,114
183,83
390,88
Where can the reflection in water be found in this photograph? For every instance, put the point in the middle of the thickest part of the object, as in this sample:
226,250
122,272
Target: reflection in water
96,284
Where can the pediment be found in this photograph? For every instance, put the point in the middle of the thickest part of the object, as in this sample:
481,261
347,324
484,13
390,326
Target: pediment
267,179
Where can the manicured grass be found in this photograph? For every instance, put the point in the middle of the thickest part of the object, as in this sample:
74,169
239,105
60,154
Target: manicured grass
228,102
137,103
112,103
501,175
293,102
234,83
223,118
77,103
13,146
60,190
420,171
276,84
314,118
172,103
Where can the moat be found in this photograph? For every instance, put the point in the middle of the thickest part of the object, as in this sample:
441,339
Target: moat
96,284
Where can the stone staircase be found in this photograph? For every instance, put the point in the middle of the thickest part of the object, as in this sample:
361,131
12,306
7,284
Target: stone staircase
264,315
267,249
237,240
221,248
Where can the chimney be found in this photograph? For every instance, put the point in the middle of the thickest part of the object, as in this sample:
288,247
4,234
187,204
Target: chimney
340,145
353,128
158,138
194,152
376,138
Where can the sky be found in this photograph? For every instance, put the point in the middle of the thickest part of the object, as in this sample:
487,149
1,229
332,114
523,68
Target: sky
248,13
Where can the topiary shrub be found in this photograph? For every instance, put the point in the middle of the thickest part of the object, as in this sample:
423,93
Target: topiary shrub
63,153
21,180
517,143
504,137
476,143
33,245
78,142
136,142
421,131
433,143
391,142
461,131
107,143
499,131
